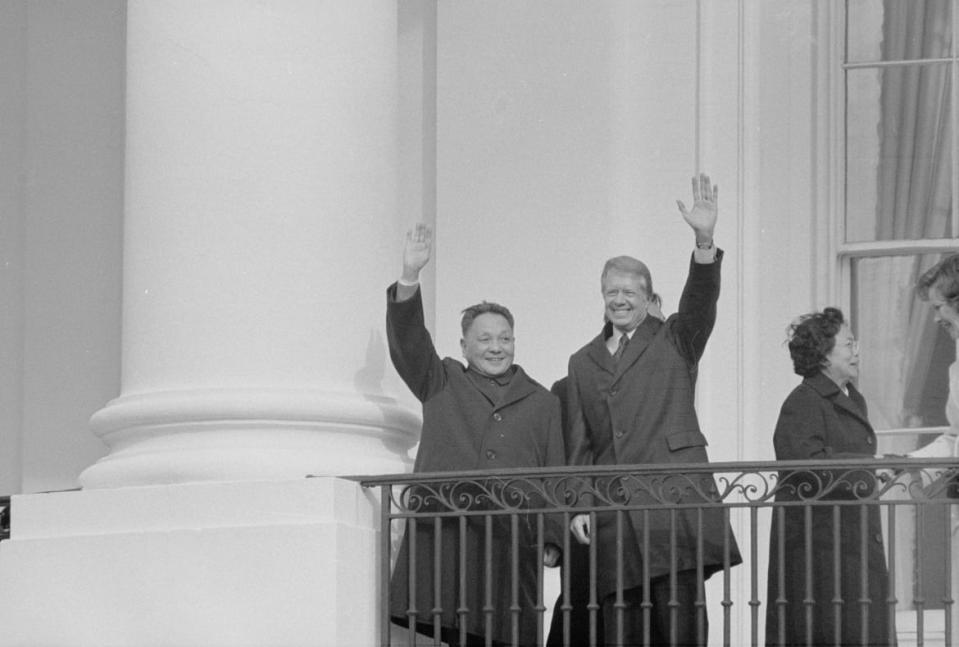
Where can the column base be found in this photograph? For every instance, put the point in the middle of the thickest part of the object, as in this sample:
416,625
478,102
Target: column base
232,564
240,435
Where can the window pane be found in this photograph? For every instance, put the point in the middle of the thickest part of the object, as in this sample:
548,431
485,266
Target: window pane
899,160
898,30
904,354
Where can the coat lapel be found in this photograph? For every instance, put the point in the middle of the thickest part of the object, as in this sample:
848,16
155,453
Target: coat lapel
638,344
831,391
521,386
598,352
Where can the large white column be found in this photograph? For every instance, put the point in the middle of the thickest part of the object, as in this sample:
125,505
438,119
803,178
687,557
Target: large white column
260,233
259,236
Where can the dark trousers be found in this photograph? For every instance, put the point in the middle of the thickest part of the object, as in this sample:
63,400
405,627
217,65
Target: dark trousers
689,618
578,577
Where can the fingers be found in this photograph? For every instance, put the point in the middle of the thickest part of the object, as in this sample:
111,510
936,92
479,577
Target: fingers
703,189
420,233
682,207
551,555
579,526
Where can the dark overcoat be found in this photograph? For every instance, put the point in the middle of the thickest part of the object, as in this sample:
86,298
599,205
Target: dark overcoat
463,429
641,409
819,422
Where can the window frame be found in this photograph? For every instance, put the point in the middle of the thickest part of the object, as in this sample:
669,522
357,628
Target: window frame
837,283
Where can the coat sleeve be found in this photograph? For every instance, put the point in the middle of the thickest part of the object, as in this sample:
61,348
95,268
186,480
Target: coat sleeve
800,429
555,456
411,347
579,449
693,323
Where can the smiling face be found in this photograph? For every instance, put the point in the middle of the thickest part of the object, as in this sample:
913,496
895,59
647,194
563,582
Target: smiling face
946,315
625,295
842,362
488,344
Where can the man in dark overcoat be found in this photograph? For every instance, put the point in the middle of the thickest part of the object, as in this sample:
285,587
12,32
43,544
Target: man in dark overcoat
632,400
486,415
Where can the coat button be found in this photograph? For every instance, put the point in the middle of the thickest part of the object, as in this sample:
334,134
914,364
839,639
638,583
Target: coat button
869,441
497,417
619,433
490,454
613,391
878,537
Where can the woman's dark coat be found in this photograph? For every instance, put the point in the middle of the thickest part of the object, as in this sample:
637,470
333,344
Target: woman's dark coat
641,409
464,430
819,422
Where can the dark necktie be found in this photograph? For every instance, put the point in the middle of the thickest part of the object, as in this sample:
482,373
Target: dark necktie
623,341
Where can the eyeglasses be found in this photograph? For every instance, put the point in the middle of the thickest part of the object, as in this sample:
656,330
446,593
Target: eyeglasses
852,345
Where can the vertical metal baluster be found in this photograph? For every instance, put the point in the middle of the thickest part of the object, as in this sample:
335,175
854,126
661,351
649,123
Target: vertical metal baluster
892,602
463,610
411,610
781,583
514,607
594,606
540,549
673,603
864,599
837,599
920,598
947,600
700,579
809,598
647,601
727,593
386,497
437,579
754,601
488,589
619,606
565,607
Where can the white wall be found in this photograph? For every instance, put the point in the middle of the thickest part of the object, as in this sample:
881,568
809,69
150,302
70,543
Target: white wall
565,132
12,73
61,233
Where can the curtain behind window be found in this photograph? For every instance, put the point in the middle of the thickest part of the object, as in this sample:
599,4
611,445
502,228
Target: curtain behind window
914,202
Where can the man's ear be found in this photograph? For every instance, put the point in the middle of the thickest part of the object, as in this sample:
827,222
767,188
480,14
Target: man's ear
463,346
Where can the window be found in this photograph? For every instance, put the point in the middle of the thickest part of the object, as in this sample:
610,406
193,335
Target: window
899,216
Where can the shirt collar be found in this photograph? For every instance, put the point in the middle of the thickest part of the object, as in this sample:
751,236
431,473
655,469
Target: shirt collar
501,380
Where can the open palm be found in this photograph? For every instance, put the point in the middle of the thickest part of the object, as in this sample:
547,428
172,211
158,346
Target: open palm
702,217
419,247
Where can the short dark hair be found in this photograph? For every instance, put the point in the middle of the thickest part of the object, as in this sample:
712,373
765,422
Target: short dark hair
811,337
485,307
944,276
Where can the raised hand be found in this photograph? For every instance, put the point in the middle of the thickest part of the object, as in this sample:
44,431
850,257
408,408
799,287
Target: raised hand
702,217
416,253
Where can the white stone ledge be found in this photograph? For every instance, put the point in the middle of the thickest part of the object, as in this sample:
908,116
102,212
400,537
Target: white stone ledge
196,506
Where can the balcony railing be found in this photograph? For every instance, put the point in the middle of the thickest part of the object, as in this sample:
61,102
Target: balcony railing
465,533
4,517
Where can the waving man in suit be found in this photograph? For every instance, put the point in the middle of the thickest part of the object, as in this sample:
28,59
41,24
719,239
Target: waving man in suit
632,400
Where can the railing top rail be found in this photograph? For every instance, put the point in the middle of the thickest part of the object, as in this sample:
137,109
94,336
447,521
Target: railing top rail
895,464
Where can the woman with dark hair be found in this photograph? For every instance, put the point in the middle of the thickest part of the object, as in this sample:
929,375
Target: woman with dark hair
816,593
